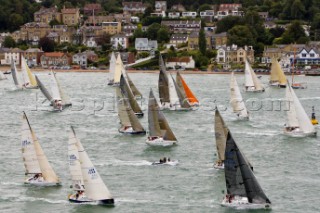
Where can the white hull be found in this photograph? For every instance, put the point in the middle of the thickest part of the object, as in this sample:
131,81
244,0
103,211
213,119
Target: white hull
252,89
170,163
159,142
116,84
217,166
242,203
167,106
298,133
83,199
130,131
40,183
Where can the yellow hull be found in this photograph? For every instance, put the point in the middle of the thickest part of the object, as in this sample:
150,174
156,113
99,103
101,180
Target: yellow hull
314,121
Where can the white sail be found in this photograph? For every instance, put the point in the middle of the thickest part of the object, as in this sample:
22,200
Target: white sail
30,159
65,98
118,70
55,88
47,172
304,122
248,75
94,186
112,64
236,100
25,76
74,162
292,120
14,74
174,99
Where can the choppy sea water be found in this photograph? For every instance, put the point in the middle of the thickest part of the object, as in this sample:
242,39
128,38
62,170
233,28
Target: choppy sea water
287,168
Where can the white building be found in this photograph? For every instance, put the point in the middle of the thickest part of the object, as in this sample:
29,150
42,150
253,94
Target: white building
143,44
14,54
186,62
174,14
160,6
90,42
189,14
81,59
207,13
119,41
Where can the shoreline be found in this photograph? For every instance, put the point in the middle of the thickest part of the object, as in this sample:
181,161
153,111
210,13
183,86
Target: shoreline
6,68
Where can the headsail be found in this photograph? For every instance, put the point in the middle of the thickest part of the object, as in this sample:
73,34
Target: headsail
240,179
65,98
185,88
250,74
133,87
45,167
74,162
28,77
55,88
221,132
94,186
183,100
112,64
236,100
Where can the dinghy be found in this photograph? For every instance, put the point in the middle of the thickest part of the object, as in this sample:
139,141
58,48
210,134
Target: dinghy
277,77
252,82
112,66
38,170
86,181
170,94
221,132
28,78
128,94
193,101
165,161
298,123
129,122
243,189
160,133
58,99
236,100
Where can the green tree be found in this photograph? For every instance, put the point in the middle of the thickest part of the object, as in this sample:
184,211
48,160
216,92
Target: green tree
297,10
227,23
241,36
9,42
163,34
15,21
202,42
138,33
294,33
204,7
152,31
46,44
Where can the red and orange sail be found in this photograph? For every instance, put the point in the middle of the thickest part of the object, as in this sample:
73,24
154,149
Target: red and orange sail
189,94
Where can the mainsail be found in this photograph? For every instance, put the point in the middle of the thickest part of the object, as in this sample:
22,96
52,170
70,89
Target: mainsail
133,87
15,74
65,98
158,125
47,172
44,90
28,77
183,100
74,162
276,73
236,98
126,114
112,64
55,88
186,90
251,78
94,186
297,116
125,88
118,70
221,132
163,83
240,179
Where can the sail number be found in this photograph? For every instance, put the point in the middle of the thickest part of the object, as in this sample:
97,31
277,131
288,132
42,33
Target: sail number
93,173
25,143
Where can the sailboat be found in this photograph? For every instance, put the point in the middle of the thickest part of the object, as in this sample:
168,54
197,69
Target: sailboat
243,189
35,161
252,83
170,94
128,94
112,67
236,100
296,85
277,77
221,132
193,101
28,78
58,99
160,133
14,73
298,123
86,181
129,121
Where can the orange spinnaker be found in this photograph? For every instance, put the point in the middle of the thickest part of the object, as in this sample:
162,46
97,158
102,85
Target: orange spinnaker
191,97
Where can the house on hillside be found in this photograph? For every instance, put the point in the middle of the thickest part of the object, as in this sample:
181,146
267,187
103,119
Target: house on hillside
55,59
143,44
185,62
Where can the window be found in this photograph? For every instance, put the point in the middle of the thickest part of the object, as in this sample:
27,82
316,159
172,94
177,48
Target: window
304,55
311,55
